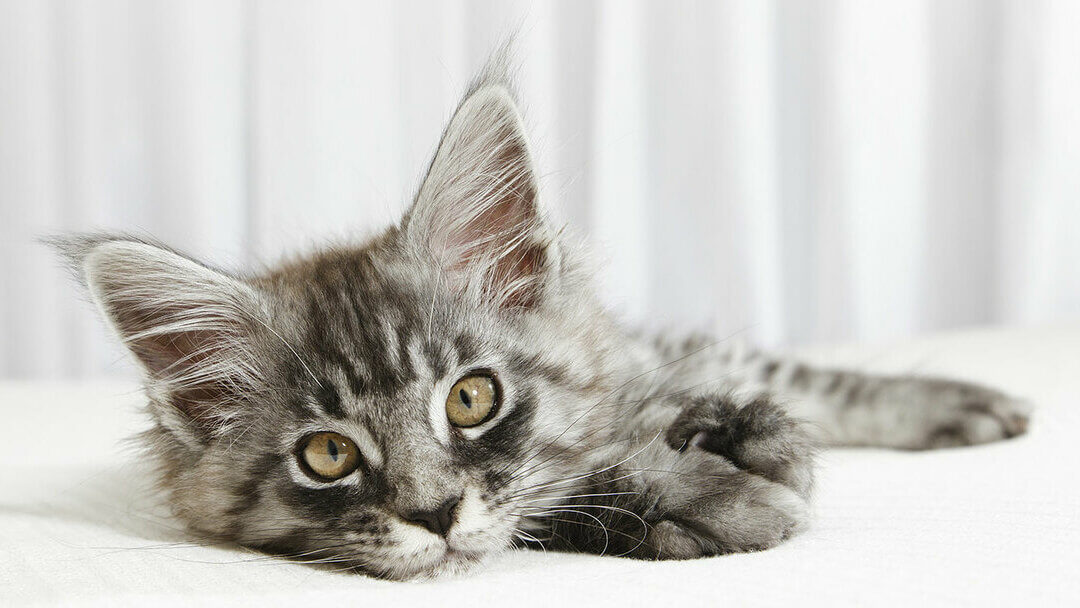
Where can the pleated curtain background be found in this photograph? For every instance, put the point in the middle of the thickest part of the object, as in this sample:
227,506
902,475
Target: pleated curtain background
790,171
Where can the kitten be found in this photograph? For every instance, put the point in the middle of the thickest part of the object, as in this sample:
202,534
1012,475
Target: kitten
451,388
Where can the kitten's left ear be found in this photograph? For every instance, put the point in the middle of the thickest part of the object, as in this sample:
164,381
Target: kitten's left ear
478,211
190,327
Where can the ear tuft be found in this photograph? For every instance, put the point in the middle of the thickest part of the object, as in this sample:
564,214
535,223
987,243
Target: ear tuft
477,211
189,326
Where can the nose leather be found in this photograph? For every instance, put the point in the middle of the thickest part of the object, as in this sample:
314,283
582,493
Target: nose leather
437,521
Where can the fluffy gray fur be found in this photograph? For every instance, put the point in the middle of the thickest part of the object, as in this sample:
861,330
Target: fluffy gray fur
605,440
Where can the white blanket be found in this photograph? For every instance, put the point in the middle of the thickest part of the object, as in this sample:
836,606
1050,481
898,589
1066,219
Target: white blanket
990,525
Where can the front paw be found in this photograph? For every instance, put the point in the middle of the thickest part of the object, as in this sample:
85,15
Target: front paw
756,436
720,508
739,478
730,477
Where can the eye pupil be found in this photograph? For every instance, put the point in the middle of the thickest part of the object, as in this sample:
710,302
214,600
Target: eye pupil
332,449
465,398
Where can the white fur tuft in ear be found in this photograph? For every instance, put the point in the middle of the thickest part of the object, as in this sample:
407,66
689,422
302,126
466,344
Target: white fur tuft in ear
189,326
477,211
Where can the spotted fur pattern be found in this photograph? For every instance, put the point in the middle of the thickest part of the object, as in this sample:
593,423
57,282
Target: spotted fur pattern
604,440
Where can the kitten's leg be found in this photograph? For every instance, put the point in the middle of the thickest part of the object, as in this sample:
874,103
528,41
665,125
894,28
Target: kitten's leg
723,477
907,412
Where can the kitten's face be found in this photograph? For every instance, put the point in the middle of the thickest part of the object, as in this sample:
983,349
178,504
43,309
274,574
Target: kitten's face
401,406
390,386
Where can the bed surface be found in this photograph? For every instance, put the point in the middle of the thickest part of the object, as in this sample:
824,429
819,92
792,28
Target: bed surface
989,525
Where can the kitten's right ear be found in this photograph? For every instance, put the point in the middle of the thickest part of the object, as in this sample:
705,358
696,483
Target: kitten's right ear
188,325
478,212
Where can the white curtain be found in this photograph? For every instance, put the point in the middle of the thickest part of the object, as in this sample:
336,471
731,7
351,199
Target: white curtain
794,171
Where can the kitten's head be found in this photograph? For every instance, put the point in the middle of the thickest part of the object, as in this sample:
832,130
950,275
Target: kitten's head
400,406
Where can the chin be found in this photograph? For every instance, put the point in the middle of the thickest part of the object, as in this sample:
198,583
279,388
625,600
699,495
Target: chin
456,563
450,563
437,560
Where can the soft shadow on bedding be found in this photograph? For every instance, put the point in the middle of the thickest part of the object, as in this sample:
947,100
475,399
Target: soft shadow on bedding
118,499
117,509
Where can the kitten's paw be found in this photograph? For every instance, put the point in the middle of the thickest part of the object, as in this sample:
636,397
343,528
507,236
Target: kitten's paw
731,512
970,415
664,503
757,437
918,413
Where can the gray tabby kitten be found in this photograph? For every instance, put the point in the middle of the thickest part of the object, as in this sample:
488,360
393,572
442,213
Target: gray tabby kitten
411,404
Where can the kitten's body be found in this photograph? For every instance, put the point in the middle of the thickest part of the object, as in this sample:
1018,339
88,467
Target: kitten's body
602,441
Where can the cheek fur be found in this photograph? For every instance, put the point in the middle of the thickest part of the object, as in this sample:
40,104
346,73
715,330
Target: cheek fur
472,513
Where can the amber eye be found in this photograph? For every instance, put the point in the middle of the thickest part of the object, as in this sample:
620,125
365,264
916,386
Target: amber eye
329,456
472,401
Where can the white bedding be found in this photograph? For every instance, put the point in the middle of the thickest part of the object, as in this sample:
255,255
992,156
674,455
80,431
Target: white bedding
991,525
